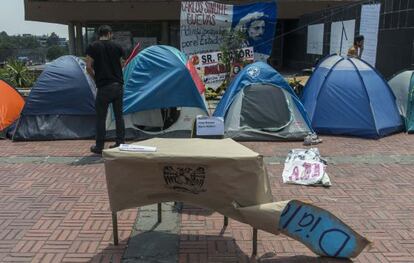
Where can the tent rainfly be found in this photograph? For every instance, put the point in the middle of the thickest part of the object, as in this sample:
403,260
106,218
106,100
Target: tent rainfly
11,104
61,105
403,87
161,95
259,105
346,96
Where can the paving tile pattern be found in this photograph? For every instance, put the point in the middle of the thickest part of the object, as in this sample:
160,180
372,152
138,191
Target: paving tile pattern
56,212
401,144
60,213
377,200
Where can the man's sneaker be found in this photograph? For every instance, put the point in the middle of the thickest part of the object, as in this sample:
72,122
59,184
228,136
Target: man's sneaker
307,141
96,149
315,138
312,139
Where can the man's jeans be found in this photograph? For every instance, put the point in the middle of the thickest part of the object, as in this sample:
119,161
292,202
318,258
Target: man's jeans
112,93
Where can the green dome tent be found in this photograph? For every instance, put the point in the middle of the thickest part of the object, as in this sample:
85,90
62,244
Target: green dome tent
402,85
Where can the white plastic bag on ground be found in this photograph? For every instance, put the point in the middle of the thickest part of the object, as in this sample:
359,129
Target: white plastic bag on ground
305,167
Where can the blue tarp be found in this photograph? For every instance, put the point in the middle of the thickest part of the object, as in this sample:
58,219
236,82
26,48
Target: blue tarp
348,97
61,89
158,78
256,73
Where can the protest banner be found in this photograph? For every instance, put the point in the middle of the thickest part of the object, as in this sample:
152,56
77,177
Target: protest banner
211,69
203,22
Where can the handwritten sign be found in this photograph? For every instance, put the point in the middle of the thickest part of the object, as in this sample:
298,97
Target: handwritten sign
305,167
342,37
370,16
210,126
211,70
202,24
315,39
214,58
304,172
320,230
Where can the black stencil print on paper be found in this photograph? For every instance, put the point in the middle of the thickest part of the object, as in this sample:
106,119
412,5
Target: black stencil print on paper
190,179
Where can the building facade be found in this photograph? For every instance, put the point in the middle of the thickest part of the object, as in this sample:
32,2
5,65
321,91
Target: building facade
395,47
157,22
154,21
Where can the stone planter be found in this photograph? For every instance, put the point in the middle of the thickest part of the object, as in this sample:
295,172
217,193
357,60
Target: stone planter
24,92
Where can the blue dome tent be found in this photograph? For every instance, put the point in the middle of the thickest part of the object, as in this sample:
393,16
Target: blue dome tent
161,98
61,105
346,96
259,105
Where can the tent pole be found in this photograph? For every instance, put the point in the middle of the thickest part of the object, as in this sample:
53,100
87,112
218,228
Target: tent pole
115,228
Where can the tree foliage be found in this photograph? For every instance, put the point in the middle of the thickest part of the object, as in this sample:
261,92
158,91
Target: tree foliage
55,51
29,46
53,40
232,40
11,45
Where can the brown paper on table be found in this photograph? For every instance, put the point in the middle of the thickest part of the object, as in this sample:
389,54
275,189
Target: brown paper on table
218,174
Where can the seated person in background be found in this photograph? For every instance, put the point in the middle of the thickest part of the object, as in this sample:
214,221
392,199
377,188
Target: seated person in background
356,50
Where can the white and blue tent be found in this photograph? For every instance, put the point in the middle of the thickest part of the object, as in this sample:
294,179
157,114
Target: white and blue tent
346,96
61,105
259,105
161,98
402,85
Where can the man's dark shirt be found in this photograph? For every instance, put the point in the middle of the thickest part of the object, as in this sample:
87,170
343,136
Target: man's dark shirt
107,66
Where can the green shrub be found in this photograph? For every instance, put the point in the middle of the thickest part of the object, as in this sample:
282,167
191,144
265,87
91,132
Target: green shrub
17,74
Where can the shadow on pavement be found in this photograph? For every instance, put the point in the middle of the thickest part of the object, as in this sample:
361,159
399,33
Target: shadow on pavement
184,208
88,160
163,247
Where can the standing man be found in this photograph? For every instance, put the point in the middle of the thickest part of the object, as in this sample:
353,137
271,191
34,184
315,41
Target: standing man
356,50
103,63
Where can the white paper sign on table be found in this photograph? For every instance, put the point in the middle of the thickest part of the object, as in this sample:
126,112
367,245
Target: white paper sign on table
136,148
210,126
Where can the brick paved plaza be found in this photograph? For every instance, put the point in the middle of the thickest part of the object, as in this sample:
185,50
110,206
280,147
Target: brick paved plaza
54,206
